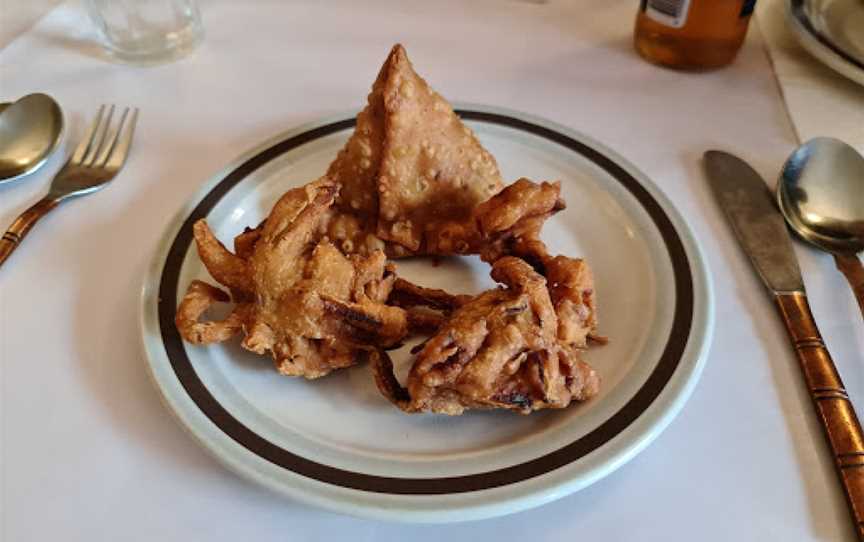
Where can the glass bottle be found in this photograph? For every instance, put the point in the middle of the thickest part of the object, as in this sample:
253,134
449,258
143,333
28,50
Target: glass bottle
692,34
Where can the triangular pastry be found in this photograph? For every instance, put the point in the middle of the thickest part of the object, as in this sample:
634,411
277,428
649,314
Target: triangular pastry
411,163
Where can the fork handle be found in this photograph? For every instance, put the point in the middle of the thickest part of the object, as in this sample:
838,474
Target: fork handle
836,413
853,269
25,221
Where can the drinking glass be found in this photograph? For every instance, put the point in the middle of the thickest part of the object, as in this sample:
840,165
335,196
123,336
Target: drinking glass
147,31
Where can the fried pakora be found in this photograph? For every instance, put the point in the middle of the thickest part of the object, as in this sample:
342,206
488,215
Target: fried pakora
299,297
501,349
514,215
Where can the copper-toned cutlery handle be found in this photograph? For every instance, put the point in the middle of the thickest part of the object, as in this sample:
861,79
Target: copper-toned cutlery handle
851,266
832,404
16,232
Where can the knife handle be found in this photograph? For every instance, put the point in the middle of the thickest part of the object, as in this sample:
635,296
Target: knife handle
835,410
853,269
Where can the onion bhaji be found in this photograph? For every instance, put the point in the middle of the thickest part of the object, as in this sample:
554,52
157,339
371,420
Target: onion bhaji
501,349
299,298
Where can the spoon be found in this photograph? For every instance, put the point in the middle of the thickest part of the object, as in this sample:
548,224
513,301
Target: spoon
30,130
821,194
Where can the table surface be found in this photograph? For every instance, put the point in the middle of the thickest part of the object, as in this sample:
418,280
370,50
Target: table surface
90,453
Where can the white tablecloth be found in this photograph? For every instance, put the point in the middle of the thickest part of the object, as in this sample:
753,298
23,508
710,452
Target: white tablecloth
89,452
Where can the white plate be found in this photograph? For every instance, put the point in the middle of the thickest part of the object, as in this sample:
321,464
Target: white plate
337,443
832,31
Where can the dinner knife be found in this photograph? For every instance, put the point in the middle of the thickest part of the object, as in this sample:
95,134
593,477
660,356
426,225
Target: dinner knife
745,198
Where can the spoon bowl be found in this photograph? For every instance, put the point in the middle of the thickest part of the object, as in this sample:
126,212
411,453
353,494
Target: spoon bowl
30,130
821,194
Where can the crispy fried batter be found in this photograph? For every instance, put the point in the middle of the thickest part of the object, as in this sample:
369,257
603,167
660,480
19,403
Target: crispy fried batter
424,321
356,166
522,200
244,244
354,235
516,213
352,311
199,297
421,302
406,294
571,287
509,223
314,308
433,169
499,350
416,181
410,165
313,288
226,268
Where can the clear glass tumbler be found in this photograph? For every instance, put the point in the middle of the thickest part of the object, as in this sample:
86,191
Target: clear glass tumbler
147,31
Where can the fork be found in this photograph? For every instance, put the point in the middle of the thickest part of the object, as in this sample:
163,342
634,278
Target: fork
96,160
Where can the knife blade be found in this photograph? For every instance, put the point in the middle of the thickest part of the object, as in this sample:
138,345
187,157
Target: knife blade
762,232
759,226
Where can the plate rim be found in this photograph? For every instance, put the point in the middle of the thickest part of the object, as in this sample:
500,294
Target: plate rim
624,445
819,46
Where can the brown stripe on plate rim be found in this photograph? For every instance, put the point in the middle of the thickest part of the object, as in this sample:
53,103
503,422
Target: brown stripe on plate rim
256,444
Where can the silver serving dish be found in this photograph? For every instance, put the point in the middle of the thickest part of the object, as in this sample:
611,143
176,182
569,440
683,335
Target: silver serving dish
832,31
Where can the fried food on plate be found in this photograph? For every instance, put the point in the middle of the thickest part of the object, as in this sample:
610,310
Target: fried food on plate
571,288
199,297
514,215
408,295
411,163
415,180
301,299
427,307
501,349
312,287
509,224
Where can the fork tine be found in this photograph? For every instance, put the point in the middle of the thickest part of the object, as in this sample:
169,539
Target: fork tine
121,149
81,150
110,141
98,139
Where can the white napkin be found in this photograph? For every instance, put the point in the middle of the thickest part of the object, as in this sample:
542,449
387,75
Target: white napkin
820,101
